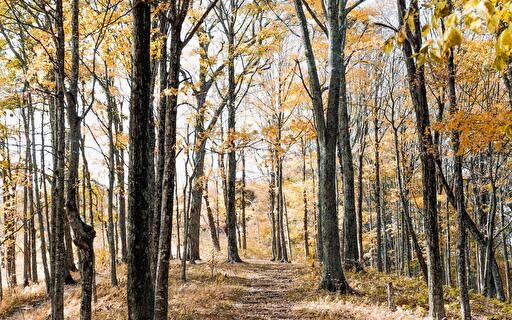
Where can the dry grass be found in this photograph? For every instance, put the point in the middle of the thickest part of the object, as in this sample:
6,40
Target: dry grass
258,290
21,300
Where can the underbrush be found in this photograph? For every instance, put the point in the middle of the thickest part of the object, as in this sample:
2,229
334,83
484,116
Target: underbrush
410,296
214,290
21,299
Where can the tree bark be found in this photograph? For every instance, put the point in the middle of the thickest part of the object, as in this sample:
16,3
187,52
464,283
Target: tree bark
351,257
161,128
121,212
140,176
231,175
58,253
333,278
83,233
305,200
39,210
378,197
244,227
459,191
111,181
417,88
211,220
164,243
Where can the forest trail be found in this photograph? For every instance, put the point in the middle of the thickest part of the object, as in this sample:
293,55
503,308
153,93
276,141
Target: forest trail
256,290
272,290
266,295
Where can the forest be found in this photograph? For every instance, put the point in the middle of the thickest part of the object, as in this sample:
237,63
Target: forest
255,159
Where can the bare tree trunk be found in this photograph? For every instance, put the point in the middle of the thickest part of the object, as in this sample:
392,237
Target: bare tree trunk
160,144
362,147
351,252
244,227
271,202
39,209
211,220
378,196
459,192
83,233
231,176
166,206
30,190
26,240
111,181
305,200
140,176
417,88
280,210
58,253
333,278
505,254
121,212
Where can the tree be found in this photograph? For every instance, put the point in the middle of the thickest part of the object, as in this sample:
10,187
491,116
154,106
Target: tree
416,77
333,278
163,219
140,179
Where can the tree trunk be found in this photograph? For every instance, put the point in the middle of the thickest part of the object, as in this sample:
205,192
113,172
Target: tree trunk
283,255
352,257
140,176
83,233
505,254
362,147
211,220
305,200
406,212
231,176
164,243
417,88
39,209
378,196
26,239
244,227
58,253
160,144
31,173
111,181
332,278
121,212
271,204
459,191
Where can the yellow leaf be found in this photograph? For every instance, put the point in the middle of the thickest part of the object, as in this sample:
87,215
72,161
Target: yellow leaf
452,37
441,9
410,19
388,44
425,30
401,36
505,41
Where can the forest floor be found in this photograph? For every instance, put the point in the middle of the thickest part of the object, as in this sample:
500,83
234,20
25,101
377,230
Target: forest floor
257,289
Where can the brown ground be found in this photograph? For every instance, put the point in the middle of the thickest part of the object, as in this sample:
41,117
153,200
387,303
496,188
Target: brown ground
256,289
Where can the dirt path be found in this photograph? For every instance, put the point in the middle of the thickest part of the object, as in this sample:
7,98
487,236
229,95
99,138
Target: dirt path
255,289
267,288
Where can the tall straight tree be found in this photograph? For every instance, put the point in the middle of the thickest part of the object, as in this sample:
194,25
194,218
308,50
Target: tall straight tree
458,181
177,16
351,254
333,278
202,134
58,254
241,23
140,176
418,92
